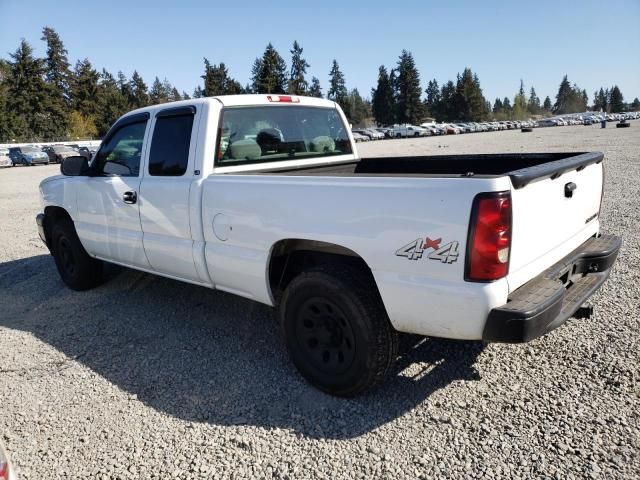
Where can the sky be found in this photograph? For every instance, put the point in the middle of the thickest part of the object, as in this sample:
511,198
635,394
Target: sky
596,43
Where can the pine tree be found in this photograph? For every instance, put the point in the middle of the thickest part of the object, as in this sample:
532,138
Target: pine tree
84,87
338,89
218,82
433,99
497,106
297,85
125,88
448,108
139,95
314,89
26,92
533,106
198,92
175,96
410,108
269,73
506,106
382,99
617,101
112,103
520,103
158,92
635,105
57,73
469,101
5,122
570,98
185,96
547,104
360,109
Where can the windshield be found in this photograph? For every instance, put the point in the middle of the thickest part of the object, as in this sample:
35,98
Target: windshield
31,150
278,133
63,148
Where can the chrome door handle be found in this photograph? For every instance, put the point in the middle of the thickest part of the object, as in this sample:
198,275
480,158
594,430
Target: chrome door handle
130,197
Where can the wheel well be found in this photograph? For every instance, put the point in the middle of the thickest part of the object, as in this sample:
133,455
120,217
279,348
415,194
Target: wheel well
293,256
51,215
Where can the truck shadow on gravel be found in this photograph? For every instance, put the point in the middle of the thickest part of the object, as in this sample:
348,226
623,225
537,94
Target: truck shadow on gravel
207,356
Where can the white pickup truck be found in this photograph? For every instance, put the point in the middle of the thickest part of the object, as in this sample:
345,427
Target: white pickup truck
265,196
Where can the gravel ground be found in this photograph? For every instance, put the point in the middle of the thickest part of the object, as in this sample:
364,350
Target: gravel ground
145,377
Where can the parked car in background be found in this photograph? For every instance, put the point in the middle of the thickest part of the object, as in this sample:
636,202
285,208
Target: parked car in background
5,160
57,153
451,129
399,131
363,132
358,137
28,156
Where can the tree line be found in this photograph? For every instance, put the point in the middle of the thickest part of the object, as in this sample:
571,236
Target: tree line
46,99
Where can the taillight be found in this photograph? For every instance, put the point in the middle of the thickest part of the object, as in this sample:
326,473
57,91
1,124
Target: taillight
489,241
283,99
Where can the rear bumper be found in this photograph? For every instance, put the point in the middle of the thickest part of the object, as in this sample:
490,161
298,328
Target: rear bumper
548,300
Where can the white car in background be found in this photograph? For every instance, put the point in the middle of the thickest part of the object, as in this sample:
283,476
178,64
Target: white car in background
5,161
400,131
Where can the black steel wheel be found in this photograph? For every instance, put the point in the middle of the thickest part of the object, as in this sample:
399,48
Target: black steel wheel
78,270
336,329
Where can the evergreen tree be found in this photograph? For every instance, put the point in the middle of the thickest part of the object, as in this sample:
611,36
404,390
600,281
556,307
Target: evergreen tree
433,98
56,100
635,105
534,102
25,95
175,96
497,106
506,106
269,73
409,106
314,89
158,92
6,131
218,82
448,108
139,95
112,103
360,109
338,89
520,104
84,87
125,88
185,96
616,100
198,92
569,98
547,104
382,99
469,103
297,83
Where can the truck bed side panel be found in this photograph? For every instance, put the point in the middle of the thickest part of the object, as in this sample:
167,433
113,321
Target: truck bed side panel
374,217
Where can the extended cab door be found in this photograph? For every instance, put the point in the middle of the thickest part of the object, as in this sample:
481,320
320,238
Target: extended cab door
164,200
108,222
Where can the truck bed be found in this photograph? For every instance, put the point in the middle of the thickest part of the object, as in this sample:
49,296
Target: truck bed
522,168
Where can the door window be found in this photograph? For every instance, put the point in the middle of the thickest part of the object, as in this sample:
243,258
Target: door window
169,153
120,156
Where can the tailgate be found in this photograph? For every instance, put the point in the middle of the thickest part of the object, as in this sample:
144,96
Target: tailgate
552,216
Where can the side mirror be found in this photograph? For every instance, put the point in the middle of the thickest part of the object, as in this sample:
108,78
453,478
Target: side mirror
75,166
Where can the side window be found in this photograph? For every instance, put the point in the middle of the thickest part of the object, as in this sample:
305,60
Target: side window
121,154
169,153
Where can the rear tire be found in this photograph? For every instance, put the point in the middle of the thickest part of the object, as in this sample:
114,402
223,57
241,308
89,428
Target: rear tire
337,331
77,269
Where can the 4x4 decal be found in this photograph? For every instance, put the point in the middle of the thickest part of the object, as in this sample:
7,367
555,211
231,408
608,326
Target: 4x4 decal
447,253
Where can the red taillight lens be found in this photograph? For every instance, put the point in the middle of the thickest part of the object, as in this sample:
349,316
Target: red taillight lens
489,241
283,99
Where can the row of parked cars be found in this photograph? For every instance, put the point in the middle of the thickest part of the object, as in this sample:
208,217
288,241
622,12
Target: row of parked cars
30,155
431,129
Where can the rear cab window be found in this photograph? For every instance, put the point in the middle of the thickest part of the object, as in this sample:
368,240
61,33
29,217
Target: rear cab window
264,134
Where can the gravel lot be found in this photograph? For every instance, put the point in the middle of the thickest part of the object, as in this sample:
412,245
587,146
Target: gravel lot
145,377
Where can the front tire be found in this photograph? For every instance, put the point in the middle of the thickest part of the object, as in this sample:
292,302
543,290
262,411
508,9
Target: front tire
337,331
77,269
